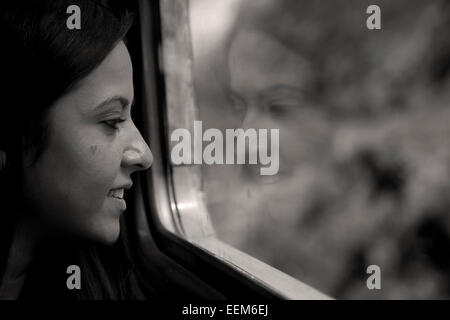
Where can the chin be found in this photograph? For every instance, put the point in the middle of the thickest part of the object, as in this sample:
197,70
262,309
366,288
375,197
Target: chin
108,234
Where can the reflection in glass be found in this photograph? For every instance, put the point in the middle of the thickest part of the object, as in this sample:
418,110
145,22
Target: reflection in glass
364,155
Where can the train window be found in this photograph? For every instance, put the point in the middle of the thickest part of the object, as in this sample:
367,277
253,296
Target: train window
342,163
176,204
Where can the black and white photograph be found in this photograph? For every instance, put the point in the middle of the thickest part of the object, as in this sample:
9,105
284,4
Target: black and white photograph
203,150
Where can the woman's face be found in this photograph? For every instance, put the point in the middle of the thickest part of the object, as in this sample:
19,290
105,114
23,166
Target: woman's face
77,184
269,90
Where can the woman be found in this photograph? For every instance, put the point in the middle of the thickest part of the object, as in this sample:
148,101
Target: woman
68,148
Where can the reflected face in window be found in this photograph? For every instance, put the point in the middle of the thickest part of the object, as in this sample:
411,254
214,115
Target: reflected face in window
93,147
270,87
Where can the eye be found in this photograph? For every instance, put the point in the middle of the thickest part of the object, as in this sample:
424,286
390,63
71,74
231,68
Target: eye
237,103
278,110
114,123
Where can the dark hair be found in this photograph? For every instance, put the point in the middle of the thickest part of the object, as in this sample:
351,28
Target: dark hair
40,61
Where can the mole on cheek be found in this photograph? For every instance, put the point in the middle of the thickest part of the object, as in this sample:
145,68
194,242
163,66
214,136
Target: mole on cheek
94,149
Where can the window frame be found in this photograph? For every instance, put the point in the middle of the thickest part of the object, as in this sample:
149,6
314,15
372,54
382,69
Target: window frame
173,207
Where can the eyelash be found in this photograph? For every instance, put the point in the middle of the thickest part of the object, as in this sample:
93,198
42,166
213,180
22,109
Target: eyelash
113,123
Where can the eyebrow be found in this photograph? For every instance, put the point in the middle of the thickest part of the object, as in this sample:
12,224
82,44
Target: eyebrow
124,102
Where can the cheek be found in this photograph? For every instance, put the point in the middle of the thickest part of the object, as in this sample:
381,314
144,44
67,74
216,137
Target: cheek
94,171
92,176
71,180
304,138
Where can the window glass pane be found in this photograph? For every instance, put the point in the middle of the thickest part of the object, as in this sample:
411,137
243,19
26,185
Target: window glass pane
363,121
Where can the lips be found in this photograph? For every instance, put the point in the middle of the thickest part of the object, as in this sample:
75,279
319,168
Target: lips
116,193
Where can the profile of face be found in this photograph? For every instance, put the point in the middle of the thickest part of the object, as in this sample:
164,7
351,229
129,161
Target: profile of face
270,89
78,182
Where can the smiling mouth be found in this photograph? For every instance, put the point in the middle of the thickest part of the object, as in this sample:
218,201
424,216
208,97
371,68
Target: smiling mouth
116,193
117,196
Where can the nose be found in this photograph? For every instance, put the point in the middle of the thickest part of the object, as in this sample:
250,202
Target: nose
253,120
257,117
137,155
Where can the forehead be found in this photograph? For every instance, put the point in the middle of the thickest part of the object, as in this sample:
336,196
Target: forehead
113,77
257,61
